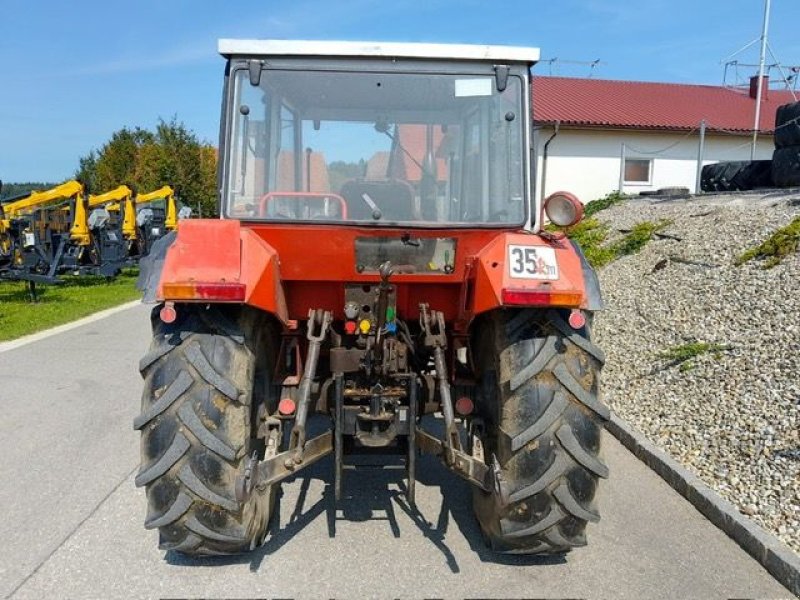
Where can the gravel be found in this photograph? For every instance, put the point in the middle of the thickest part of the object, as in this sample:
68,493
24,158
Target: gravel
731,416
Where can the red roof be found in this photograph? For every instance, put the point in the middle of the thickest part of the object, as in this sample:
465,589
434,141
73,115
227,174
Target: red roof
406,166
319,180
413,140
641,105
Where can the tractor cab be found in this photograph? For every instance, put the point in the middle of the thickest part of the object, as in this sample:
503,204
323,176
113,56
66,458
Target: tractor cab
410,135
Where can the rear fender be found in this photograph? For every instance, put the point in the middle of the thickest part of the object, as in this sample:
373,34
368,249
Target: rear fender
215,251
523,269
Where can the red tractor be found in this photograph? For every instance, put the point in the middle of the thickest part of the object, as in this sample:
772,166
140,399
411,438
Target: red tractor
380,257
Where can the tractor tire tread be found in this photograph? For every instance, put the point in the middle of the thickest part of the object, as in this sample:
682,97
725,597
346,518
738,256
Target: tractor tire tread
193,423
540,362
174,391
178,508
568,501
194,354
549,468
551,414
192,524
579,454
197,430
166,345
568,380
553,518
554,472
165,462
194,483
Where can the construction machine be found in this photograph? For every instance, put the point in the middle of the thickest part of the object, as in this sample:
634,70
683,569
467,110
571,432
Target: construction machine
157,213
380,269
44,234
38,234
118,203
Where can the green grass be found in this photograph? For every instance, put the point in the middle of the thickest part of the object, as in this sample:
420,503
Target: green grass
774,249
684,354
595,206
76,298
592,236
638,237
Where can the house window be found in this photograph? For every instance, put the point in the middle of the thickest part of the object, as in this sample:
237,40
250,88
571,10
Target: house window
638,170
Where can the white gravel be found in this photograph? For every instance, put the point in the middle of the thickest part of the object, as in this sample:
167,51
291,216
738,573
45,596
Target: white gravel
734,417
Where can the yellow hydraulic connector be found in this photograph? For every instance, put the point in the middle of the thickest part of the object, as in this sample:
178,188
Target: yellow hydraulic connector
167,193
120,196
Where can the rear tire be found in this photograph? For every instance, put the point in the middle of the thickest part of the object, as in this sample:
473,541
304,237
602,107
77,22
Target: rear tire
538,398
205,377
787,125
786,166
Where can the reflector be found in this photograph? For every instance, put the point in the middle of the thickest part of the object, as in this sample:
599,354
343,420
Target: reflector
221,291
286,407
540,298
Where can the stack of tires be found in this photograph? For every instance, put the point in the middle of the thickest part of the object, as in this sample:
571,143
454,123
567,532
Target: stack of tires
736,176
786,160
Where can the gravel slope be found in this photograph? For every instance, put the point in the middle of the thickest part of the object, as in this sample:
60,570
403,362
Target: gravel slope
734,417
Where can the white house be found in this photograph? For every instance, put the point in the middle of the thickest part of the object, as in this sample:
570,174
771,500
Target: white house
594,135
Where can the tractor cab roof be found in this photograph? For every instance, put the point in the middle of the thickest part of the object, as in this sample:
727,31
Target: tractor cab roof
315,48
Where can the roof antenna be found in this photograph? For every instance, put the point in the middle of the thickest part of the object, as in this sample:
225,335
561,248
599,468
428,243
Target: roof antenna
761,62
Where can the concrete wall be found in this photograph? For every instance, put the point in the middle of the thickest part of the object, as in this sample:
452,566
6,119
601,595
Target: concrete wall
586,162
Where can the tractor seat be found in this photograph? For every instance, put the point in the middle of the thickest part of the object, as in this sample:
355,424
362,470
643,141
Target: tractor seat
393,197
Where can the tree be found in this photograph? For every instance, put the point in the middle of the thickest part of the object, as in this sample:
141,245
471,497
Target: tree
11,190
87,170
170,155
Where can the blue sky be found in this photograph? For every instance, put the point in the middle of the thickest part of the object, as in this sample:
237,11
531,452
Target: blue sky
74,72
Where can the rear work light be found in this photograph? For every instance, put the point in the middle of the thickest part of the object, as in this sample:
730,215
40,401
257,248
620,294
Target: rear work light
563,209
511,297
221,291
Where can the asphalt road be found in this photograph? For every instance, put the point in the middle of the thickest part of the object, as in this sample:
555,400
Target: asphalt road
71,524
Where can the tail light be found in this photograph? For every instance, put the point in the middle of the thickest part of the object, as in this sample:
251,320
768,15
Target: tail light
220,291
286,407
563,209
465,406
512,297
